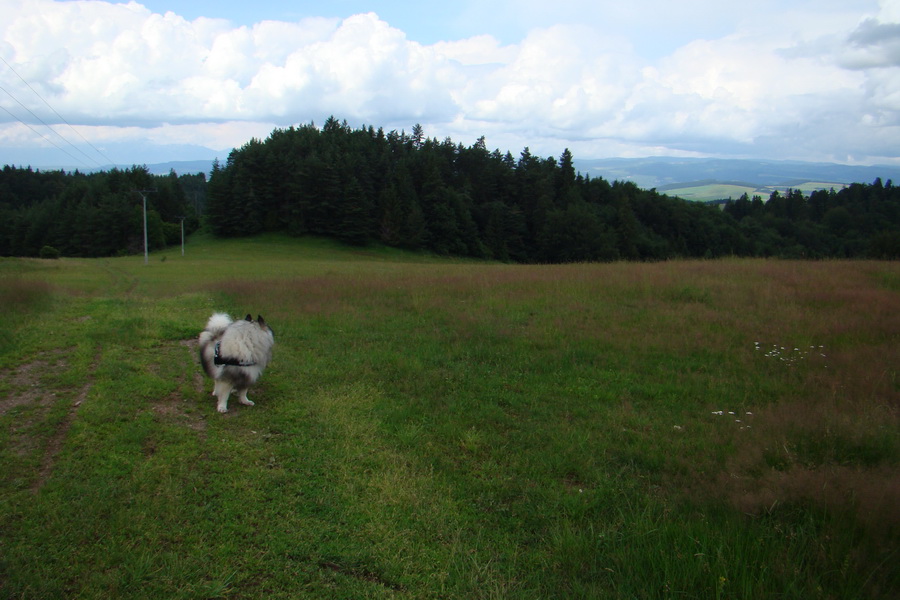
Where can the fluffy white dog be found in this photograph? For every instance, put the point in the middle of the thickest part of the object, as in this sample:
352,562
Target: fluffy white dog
234,354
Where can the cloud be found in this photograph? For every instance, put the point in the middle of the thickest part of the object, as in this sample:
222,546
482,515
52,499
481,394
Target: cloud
364,68
826,85
873,44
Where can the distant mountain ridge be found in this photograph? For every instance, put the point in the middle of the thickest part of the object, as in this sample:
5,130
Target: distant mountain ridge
668,173
183,167
665,173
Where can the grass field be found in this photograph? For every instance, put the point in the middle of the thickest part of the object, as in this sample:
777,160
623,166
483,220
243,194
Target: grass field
716,191
724,191
443,429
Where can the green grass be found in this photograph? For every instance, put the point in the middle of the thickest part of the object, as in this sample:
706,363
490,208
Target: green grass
723,191
716,191
433,428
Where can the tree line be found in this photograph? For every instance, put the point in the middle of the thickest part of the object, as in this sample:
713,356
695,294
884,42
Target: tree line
409,191
366,185
406,190
857,221
53,213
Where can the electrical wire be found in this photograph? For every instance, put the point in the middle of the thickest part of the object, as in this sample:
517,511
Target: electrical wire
61,118
48,140
58,134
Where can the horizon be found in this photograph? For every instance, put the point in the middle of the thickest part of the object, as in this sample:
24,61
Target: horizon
691,178
96,83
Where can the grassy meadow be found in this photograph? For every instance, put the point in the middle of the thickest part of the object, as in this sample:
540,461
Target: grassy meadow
724,191
432,428
716,191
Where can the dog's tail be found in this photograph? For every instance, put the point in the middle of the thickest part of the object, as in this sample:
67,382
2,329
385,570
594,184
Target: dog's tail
215,327
218,323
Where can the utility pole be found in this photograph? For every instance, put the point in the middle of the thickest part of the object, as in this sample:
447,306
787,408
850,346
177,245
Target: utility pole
182,233
143,194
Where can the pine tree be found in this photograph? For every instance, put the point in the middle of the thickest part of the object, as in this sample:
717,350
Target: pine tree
391,219
417,136
354,212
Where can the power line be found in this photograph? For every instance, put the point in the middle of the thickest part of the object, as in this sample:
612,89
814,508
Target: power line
61,118
51,142
19,102
35,92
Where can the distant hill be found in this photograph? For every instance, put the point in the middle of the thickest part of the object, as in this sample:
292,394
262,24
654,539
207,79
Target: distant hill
688,178
685,176
182,167
699,179
711,178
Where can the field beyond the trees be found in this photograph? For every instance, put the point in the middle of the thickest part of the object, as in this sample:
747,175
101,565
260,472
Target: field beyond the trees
434,428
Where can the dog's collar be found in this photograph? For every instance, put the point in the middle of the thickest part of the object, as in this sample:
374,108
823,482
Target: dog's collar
233,362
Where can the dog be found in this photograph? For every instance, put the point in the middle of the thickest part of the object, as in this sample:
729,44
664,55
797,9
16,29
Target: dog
235,354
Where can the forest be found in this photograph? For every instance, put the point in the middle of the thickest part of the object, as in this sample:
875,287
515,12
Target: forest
53,213
406,190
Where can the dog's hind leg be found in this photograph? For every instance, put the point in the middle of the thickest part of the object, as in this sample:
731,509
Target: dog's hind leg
243,399
222,391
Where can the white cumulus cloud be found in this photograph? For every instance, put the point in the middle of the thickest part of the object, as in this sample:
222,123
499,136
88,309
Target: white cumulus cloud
803,81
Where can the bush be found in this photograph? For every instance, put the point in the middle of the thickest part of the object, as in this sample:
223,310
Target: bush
172,233
49,252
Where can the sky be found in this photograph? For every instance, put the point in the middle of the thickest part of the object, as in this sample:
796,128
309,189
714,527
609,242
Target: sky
89,83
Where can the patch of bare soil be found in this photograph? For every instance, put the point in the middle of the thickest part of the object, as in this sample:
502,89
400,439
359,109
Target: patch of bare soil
193,347
361,573
25,381
172,408
177,408
27,390
55,443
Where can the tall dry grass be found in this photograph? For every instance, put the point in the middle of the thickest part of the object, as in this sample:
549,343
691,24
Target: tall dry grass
825,422
829,436
20,295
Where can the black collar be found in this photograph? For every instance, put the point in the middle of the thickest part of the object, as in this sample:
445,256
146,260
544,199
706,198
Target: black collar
219,360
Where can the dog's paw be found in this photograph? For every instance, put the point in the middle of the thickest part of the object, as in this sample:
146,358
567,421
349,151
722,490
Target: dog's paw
247,402
222,409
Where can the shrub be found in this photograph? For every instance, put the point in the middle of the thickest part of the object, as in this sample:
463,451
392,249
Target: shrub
49,252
